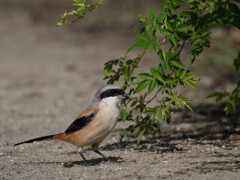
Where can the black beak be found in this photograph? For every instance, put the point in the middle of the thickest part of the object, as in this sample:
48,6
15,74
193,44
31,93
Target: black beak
125,96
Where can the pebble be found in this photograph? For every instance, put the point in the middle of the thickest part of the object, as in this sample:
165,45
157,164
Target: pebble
68,164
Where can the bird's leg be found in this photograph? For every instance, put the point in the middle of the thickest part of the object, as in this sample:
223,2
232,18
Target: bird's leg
81,154
95,149
101,154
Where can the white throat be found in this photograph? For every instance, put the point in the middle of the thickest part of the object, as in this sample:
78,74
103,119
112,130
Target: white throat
110,101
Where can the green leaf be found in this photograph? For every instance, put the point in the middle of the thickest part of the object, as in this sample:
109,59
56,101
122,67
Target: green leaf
149,46
134,103
161,17
123,115
168,67
142,18
190,76
177,3
168,88
163,7
73,12
130,62
107,69
163,114
152,86
149,31
174,95
170,54
151,14
156,74
219,96
134,81
150,110
139,43
142,85
176,103
186,104
142,38
184,27
211,6
178,64
156,47
190,84
161,68
174,40
126,74
236,62
177,73
169,26
123,133
160,54
183,73
158,28
139,137
165,32
145,76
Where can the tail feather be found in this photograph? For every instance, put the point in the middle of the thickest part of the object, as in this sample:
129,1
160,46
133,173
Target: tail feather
36,139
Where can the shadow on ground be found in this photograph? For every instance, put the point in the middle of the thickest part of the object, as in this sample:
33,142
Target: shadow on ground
90,162
97,161
207,124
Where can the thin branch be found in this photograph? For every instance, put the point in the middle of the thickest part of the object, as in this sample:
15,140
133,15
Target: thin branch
183,44
138,60
81,16
134,66
155,95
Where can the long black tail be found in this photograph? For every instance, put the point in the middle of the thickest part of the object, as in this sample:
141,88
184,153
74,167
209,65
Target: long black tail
36,139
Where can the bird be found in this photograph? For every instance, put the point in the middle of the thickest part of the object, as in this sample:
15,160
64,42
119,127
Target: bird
94,124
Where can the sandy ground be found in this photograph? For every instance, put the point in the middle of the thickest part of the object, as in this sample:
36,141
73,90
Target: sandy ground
48,75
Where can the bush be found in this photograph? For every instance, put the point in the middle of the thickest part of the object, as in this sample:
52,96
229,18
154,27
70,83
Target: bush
166,31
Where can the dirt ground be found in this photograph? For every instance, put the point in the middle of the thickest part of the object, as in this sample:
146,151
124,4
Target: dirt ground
49,74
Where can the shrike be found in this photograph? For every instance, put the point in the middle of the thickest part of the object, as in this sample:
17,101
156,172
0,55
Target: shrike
94,124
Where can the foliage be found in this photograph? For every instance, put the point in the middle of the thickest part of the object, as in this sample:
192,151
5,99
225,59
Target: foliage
224,55
166,32
231,98
82,9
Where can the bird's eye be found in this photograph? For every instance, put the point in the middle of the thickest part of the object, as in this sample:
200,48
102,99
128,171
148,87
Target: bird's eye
112,91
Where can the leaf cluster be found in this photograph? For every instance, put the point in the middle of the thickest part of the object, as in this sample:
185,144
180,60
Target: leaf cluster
81,9
231,99
154,92
165,31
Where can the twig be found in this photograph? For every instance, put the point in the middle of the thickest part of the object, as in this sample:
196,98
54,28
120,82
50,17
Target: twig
138,60
81,16
134,66
155,95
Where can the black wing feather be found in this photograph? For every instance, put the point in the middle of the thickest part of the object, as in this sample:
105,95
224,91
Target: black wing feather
79,123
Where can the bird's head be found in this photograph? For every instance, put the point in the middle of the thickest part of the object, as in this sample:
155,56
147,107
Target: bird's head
110,94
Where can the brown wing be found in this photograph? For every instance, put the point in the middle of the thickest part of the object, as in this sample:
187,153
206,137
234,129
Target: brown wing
82,120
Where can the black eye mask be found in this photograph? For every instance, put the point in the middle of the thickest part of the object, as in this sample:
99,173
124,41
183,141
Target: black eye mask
111,93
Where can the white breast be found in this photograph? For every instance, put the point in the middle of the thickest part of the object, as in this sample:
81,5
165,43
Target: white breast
106,120
110,111
109,116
